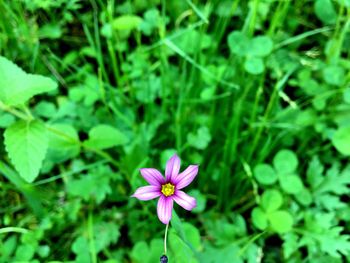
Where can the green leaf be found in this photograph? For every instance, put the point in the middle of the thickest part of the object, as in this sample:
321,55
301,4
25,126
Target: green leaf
139,252
271,200
79,247
341,140
260,46
290,244
254,65
334,75
238,43
346,95
95,185
265,174
104,137
199,140
201,201
17,87
259,218
142,253
25,252
291,184
105,234
192,40
126,22
6,120
227,254
192,235
179,251
281,221
285,161
26,144
304,197
63,143
325,11
335,182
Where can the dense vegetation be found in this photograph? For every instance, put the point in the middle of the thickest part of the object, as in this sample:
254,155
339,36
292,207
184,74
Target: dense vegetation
256,92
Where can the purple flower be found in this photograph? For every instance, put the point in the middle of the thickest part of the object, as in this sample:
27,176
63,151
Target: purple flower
168,189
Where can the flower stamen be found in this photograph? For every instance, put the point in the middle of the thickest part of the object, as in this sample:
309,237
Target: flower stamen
168,189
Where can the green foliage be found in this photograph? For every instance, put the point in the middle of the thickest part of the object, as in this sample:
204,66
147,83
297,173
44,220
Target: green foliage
341,140
62,148
255,92
17,87
104,137
26,143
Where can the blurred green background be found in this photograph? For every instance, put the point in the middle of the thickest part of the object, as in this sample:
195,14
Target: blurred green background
257,92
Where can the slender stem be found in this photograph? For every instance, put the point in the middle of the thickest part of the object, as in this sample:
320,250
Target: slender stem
13,111
13,229
165,237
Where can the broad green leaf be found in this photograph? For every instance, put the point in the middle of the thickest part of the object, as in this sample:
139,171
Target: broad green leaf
281,221
259,218
179,251
192,40
238,43
106,233
290,244
105,136
254,65
79,248
291,184
17,87
260,46
143,253
26,144
126,22
285,161
341,140
192,235
334,75
271,200
265,174
6,120
304,197
139,252
200,139
52,31
25,252
63,143
325,11
45,109
7,247
229,253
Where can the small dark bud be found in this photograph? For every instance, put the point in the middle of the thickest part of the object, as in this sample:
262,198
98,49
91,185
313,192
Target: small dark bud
164,259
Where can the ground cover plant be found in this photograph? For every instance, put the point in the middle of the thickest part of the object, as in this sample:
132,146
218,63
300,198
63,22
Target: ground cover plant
257,93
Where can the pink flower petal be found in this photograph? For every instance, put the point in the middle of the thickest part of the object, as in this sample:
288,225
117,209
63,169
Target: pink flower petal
152,176
172,167
165,208
147,192
184,200
186,177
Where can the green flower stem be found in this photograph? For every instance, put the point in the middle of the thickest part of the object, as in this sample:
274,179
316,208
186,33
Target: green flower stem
165,238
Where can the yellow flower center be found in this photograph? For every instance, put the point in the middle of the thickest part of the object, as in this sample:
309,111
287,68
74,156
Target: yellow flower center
168,189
